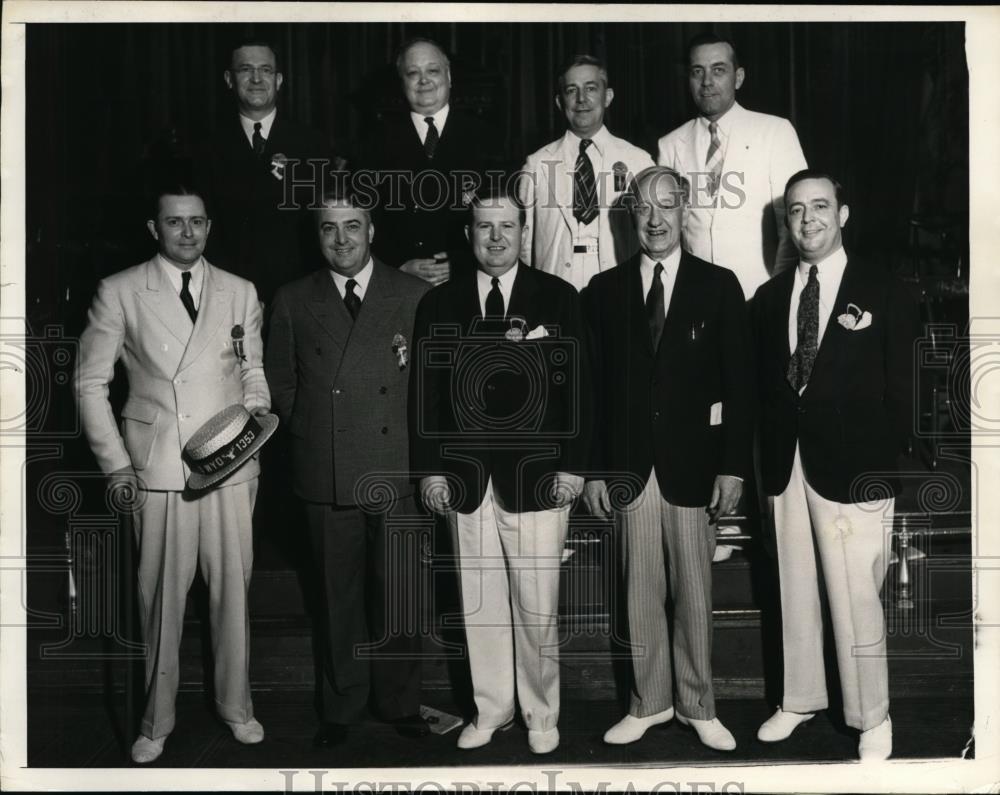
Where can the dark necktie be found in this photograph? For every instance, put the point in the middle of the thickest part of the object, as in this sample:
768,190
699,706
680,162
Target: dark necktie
431,141
258,140
654,306
801,364
352,300
494,301
584,186
186,297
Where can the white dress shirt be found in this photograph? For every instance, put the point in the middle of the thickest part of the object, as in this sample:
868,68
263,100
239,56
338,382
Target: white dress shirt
667,278
420,122
484,282
265,126
362,277
571,151
173,273
829,272
703,136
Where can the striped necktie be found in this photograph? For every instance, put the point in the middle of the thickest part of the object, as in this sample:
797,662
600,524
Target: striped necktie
713,160
584,186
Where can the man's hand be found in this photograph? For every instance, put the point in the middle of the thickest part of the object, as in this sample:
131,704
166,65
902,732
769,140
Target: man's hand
436,493
725,494
259,411
123,485
435,270
566,488
595,497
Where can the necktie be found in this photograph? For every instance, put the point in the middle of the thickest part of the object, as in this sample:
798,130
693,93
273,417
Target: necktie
801,364
258,140
186,297
431,141
352,300
494,301
713,160
654,306
584,186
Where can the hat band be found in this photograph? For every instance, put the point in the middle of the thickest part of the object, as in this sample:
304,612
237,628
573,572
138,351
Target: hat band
227,454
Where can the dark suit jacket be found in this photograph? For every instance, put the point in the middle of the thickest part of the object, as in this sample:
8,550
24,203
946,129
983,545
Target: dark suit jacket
483,405
854,416
405,226
251,236
338,387
655,409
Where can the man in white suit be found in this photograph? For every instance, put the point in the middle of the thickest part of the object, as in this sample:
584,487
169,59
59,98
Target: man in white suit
738,162
172,322
571,185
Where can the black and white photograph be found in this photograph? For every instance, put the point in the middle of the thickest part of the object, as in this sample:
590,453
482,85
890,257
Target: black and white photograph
479,397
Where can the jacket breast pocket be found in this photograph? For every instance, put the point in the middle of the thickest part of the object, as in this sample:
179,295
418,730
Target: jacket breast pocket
139,428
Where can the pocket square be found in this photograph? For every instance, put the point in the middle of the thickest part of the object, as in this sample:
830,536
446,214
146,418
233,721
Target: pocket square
537,333
715,414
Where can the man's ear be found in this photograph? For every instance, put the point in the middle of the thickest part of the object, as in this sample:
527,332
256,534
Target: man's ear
524,234
151,226
468,234
227,76
741,75
844,212
278,80
371,232
559,103
608,96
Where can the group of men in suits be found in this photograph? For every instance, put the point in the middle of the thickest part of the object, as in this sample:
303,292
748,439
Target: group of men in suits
589,339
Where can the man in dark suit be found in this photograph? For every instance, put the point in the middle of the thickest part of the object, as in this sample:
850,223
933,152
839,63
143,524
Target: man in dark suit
337,361
500,419
674,385
834,340
423,163
261,182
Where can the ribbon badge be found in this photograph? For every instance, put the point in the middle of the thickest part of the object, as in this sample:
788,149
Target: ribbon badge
400,350
237,335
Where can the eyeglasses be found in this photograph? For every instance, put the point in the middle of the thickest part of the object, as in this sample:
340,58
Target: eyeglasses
251,71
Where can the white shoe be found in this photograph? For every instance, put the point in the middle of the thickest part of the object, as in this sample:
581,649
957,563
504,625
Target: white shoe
781,725
875,744
248,733
543,742
711,732
472,737
630,728
145,750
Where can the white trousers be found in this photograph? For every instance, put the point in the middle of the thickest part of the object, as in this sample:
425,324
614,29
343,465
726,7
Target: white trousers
509,573
853,544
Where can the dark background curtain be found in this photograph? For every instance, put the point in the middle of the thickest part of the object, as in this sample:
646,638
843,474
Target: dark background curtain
883,106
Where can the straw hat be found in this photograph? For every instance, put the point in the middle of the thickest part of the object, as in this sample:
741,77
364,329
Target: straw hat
224,444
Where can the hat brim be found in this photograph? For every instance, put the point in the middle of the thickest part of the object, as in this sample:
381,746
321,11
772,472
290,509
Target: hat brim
199,482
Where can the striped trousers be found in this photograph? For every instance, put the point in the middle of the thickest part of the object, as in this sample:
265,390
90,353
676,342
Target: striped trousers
657,539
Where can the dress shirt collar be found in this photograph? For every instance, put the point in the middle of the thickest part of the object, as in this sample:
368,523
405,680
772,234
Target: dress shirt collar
420,125
265,125
173,273
362,277
484,283
601,139
829,270
669,263
725,122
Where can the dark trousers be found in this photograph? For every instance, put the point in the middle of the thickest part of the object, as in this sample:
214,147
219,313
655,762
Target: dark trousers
370,622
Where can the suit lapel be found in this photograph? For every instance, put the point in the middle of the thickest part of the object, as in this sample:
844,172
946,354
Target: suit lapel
634,303
563,175
372,328
212,310
779,329
828,356
328,310
522,297
164,303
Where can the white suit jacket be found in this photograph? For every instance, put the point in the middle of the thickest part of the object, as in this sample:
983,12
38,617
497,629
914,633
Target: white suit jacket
177,377
546,188
746,232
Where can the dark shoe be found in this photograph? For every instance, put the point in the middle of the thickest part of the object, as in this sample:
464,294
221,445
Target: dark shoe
330,734
412,726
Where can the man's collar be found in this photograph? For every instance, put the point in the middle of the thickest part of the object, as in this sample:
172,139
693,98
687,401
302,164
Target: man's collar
506,281
265,124
440,118
726,120
835,261
361,278
173,272
600,139
670,263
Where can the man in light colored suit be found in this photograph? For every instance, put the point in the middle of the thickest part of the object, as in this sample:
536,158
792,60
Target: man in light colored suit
500,428
671,353
338,362
737,162
171,323
834,341
571,185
